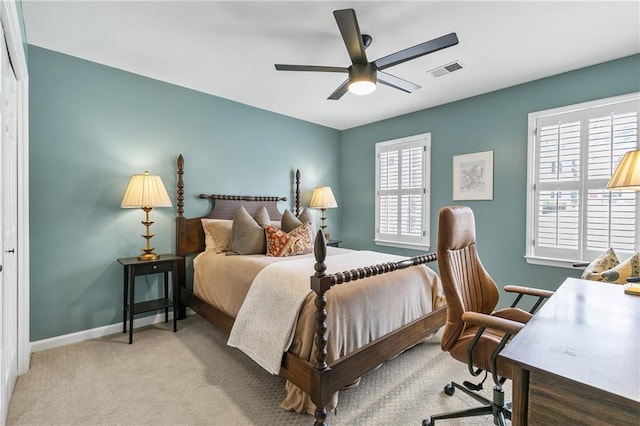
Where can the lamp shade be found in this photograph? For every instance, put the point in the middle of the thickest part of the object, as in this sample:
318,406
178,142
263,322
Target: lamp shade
627,174
145,190
323,198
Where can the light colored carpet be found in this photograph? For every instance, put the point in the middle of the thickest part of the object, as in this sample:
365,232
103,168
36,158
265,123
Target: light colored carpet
192,378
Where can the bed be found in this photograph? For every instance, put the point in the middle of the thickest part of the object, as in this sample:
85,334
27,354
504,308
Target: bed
321,351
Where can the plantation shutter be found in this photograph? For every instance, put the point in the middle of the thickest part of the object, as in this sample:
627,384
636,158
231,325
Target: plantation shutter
401,181
575,217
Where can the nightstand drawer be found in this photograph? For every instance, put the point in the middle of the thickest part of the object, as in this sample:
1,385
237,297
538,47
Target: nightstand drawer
152,268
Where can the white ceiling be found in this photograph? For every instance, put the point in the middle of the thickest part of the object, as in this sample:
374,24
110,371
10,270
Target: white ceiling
229,49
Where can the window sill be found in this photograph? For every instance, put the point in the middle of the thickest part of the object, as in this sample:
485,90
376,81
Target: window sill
419,247
545,261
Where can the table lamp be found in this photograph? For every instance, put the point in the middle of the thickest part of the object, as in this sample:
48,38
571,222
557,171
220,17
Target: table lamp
627,176
146,192
323,199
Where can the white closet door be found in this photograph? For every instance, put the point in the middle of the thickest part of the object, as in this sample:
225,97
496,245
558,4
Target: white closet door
9,223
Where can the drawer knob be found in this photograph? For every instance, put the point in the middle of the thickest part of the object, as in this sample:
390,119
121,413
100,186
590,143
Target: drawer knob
155,266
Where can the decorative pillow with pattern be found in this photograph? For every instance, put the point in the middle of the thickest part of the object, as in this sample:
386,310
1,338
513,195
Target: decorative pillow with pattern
604,262
303,236
247,234
217,234
281,244
619,274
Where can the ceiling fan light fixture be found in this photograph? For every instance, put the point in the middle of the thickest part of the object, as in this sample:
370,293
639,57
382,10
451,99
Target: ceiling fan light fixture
363,75
362,87
362,79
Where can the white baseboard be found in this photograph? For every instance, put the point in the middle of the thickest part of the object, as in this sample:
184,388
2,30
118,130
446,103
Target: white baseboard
81,336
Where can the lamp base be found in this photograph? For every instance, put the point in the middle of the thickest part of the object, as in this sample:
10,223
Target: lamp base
148,256
148,251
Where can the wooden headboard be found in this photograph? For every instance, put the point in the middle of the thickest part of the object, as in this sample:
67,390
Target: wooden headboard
189,233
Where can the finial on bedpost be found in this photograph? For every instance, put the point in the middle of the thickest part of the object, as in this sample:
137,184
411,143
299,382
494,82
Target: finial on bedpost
297,192
180,185
320,251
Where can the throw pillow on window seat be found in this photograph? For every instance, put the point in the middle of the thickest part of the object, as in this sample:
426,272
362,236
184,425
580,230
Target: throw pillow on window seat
619,274
604,262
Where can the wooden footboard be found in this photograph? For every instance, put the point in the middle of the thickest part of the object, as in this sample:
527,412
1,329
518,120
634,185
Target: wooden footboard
327,379
322,379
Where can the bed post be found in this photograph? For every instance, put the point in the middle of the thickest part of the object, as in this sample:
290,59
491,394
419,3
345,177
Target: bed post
321,372
297,192
180,229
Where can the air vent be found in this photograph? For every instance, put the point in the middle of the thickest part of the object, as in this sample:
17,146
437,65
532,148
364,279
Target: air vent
446,69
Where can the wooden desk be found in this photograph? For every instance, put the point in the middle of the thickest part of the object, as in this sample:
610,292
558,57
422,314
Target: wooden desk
577,362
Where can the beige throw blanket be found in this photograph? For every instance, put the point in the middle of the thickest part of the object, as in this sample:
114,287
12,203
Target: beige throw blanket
266,321
264,326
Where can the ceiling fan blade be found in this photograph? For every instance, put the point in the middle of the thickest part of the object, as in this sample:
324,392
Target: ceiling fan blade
417,51
340,91
397,82
348,25
319,68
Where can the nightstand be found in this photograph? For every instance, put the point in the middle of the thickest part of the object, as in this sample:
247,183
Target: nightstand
134,268
334,243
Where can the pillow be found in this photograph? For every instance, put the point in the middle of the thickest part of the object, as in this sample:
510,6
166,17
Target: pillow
306,216
303,236
217,234
281,244
605,261
289,222
247,235
619,274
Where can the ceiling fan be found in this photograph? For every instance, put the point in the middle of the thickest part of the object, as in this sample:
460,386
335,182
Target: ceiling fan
363,74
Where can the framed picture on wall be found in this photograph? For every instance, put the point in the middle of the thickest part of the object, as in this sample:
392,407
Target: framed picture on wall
473,176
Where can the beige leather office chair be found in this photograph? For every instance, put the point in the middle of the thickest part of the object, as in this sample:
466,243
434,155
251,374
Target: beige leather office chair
474,333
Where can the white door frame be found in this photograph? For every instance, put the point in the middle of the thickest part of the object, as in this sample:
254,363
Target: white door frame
13,34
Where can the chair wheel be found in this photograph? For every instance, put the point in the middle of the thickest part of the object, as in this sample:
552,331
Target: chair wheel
426,422
449,390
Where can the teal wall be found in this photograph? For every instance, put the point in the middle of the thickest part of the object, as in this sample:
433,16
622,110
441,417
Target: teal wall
91,128
495,122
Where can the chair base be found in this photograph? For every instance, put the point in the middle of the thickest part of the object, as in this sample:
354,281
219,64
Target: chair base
500,410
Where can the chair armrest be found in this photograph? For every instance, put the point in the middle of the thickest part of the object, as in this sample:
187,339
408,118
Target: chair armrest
484,320
581,265
508,327
528,291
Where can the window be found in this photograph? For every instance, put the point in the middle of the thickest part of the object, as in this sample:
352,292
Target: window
402,204
573,151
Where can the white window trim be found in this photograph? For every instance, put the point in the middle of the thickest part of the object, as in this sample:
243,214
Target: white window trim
531,167
426,238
